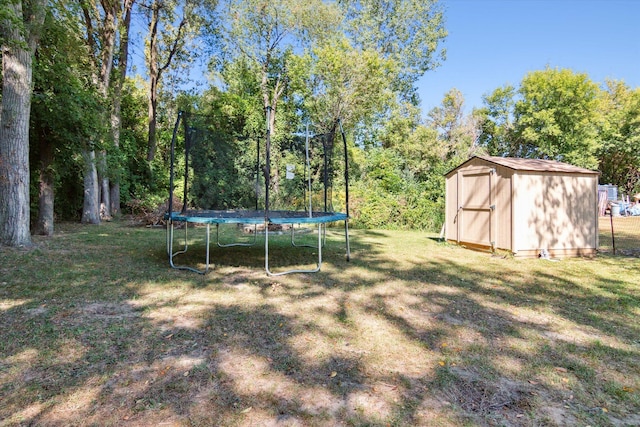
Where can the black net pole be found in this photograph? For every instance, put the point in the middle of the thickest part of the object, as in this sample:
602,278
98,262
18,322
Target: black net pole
257,192
187,146
172,166
326,170
267,166
346,168
613,237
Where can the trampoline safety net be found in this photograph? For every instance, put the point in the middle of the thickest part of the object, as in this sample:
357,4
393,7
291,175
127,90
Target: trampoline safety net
219,176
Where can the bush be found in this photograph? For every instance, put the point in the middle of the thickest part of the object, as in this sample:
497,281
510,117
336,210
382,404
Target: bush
372,207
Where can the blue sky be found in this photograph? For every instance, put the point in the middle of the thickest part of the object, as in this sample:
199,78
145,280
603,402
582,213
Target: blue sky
492,43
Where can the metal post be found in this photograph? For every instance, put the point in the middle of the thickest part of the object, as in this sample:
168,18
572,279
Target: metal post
308,166
613,236
257,172
267,167
346,189
187,144
326,170
346,168
172,166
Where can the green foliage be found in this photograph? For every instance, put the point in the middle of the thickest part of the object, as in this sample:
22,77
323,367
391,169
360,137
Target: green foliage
556,117
388,195
496,118
457,133
406,32
383,170
373,208
400,180
562,115
223,178
66,110
353,60
619,155
347,83
139,180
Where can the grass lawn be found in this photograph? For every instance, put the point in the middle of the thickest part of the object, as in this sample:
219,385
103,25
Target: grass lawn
626,233
96,329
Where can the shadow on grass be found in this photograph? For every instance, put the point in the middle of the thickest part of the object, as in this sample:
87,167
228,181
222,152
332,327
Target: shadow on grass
96,329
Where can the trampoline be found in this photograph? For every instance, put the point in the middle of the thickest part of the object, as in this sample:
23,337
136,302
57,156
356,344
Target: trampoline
206,186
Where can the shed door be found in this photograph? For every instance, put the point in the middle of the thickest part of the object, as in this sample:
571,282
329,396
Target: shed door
476,210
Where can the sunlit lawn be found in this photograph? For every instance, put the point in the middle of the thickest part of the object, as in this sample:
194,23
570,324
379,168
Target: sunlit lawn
96,329
626,234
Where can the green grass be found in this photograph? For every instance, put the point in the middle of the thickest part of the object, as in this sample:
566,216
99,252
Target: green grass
96,329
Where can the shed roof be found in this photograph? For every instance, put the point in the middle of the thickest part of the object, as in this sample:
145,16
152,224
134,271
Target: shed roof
530,165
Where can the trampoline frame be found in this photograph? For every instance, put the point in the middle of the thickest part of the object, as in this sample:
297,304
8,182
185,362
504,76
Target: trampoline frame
266,217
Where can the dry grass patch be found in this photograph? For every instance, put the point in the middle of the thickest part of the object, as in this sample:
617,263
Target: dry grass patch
626,232
96,329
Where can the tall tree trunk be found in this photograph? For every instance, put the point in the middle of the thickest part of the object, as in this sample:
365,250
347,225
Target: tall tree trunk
115,197
270,100
15,111
106,35
14,145
44,225
109,40
153,108
91,205
156,69
154,77
105,191
116,114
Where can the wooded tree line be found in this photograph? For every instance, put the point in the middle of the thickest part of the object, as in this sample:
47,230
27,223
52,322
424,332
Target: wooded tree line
82,137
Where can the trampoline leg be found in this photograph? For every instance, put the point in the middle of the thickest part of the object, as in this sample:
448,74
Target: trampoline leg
346,236
170,240
186,246
229,245
169,234
206,266
293,234
266,255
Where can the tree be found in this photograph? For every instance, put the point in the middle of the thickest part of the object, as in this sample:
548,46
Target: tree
407,32
100,19
496,122
264,34
619,155
116,113
345,83
20,23
66,110
457,133
171,28
556,117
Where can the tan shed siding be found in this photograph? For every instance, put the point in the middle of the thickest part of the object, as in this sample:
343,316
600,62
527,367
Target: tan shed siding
451,201
503,208
555,212
516,220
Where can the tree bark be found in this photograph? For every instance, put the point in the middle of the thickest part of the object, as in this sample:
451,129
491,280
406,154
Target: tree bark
91,205
109,32
154,76
44,225
15,111
106,34
156,69
105,190
14,146
116,113
152,121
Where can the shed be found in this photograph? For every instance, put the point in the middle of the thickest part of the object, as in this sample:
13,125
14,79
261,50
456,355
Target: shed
528,207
